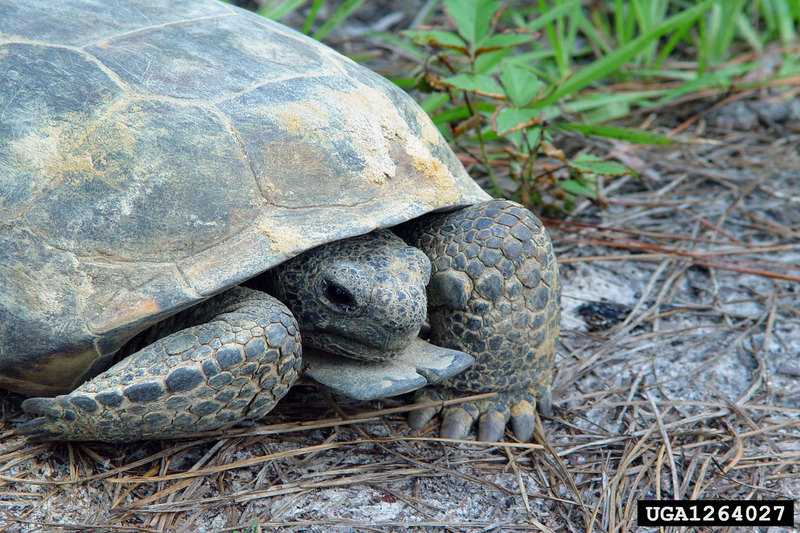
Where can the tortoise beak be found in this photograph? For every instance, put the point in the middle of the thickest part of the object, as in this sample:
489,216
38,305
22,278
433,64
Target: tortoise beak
418,365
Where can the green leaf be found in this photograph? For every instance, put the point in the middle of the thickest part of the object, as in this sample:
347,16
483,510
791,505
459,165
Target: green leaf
509,119
472,17
487,61
499,41
521,84
576,187
439,38
535,136
477,83
614,132
403,83
591,164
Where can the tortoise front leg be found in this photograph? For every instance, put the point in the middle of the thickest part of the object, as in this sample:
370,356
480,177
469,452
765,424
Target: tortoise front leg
233,367
495,294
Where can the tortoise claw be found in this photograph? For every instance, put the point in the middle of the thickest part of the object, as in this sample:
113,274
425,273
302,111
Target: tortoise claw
516,408
417,419
52,414
523,420
36,430
545,402
43,407
492,425
456,422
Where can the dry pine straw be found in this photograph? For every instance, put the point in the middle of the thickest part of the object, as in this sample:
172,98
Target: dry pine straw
693,394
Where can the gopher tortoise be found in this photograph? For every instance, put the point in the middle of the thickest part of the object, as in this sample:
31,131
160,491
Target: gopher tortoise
189,189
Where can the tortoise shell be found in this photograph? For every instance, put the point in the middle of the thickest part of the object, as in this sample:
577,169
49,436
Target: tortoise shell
156,153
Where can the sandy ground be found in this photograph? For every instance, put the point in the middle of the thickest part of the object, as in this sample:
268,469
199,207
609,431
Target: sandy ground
681,380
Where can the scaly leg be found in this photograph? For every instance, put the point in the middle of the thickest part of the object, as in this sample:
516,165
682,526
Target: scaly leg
495,294
233,367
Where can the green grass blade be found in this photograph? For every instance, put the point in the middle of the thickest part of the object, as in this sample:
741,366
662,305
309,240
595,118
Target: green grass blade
768,15
278,10
337,18
549,14
671,43
614,132
608,64
749,33
556,39
733,9
591,102
718,79
312,15
786,29
591,33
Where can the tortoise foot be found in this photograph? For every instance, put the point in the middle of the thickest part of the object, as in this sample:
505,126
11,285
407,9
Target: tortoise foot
492,415
213,375
494,294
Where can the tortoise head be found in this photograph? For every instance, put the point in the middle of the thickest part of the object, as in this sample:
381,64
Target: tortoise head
362,297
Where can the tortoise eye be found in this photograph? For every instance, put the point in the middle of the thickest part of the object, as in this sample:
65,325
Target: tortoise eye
339,295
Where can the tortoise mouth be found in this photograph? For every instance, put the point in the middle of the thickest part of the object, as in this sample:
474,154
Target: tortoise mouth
368,348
